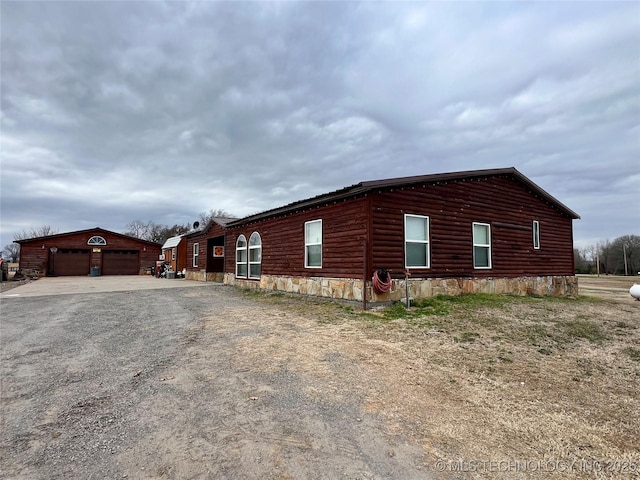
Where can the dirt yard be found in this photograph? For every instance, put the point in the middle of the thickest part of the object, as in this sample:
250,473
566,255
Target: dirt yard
497,387
607,286
241,384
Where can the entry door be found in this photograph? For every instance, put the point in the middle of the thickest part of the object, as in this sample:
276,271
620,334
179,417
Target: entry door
215,254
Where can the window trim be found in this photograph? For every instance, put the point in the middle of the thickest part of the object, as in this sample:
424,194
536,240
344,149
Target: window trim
196,253
97,240
246,262
482,245
307,245
173,253
254,247
426,242
536,235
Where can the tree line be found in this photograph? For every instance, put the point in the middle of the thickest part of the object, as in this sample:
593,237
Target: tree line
159,233
149,230
618,257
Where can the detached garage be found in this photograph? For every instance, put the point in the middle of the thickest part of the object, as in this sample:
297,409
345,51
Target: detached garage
87,252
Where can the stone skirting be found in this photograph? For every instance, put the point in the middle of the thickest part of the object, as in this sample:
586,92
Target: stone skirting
203,276
351,289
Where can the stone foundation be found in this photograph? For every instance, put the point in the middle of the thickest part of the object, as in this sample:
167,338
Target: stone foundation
203,276
351,289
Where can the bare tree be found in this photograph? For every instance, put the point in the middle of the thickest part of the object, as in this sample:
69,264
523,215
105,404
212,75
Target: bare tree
617,256
154,232
205,217
11,252
604,253
580,261
160,233
43,231
625,254
589,253
138,229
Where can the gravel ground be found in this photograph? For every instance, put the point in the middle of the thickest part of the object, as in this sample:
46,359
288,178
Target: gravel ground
150,384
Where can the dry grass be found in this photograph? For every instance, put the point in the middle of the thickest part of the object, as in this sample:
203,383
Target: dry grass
477,378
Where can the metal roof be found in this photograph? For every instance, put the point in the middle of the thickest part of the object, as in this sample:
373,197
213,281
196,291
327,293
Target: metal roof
172,242
222,221
363,188
96,230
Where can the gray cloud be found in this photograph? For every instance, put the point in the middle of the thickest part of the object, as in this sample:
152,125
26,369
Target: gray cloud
113,111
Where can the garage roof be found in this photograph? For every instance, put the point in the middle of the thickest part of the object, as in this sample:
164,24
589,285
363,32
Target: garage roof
95,231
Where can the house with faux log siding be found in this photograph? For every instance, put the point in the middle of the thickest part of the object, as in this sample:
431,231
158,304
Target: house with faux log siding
206,251
462,232
94,251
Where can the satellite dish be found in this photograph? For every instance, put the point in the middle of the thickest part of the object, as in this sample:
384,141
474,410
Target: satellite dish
196,225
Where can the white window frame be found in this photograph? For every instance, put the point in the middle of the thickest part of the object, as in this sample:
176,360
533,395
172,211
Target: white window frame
254,247
426,242
536,235
196,253
481,245
307,244
246,256
97,240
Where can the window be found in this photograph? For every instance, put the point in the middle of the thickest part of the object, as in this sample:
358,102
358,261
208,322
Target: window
313,244
97,240
255,255
481,245
416,241
536,234
196,252
241,257
173,253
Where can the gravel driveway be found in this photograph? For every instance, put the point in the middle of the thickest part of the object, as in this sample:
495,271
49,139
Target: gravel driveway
156,384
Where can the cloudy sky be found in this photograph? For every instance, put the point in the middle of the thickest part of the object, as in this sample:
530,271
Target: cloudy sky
117,111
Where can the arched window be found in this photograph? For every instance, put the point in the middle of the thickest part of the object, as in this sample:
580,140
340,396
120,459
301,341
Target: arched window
255,255
97,240
241,257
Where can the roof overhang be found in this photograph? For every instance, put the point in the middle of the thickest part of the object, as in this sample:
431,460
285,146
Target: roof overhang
97,231
221,221
172,242
363,188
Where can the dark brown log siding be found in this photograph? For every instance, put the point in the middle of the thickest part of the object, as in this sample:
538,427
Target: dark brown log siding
377,218
344,229
452,208
34,256
202,239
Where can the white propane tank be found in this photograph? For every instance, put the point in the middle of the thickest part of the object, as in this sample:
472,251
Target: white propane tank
635,291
